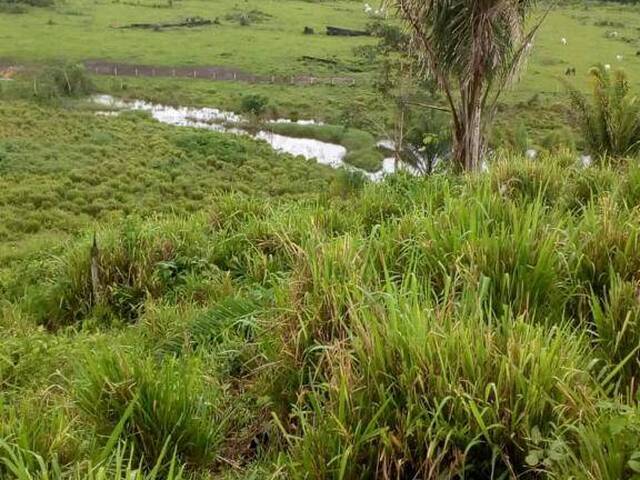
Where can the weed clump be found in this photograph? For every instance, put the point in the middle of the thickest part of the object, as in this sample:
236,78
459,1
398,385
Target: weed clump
159,407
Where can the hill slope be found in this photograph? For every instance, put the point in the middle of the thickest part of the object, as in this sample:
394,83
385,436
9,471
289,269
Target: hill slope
418,328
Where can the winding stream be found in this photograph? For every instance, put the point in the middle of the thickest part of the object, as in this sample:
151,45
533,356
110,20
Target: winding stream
218,120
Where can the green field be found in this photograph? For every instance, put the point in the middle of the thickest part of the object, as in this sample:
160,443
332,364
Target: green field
84,30
183,304
586,28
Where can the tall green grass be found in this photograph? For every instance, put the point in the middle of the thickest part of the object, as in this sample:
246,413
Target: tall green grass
166,403
481,326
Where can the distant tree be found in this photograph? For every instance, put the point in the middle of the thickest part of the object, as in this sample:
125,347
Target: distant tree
610,121
473,49
63,80
254,104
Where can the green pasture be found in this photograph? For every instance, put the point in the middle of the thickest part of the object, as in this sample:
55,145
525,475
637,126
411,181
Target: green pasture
273,43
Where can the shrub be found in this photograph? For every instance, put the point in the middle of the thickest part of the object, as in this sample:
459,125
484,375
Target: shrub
559,140
611,124
64,80
254,104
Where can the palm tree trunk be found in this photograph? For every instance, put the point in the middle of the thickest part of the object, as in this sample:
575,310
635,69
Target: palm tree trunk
475,140
468,141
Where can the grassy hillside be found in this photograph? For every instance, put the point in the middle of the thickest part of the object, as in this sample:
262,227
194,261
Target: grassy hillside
181,304
62,169
421,328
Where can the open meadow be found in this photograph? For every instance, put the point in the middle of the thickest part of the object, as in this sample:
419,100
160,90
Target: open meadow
291,277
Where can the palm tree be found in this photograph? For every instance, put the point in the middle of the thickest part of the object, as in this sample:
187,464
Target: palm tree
473,49
611,122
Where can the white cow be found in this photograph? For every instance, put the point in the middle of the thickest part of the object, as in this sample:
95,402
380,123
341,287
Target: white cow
619,58
564,41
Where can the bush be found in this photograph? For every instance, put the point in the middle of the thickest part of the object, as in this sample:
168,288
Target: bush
611,124
560,139
254,104
65,80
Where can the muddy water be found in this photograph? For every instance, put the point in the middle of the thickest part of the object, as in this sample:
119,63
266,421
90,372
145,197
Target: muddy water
218,120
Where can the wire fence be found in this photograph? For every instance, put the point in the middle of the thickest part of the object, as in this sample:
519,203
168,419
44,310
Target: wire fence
209,73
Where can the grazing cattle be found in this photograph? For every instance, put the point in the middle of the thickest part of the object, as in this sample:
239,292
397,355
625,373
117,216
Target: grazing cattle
619,58
571,71
564,41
